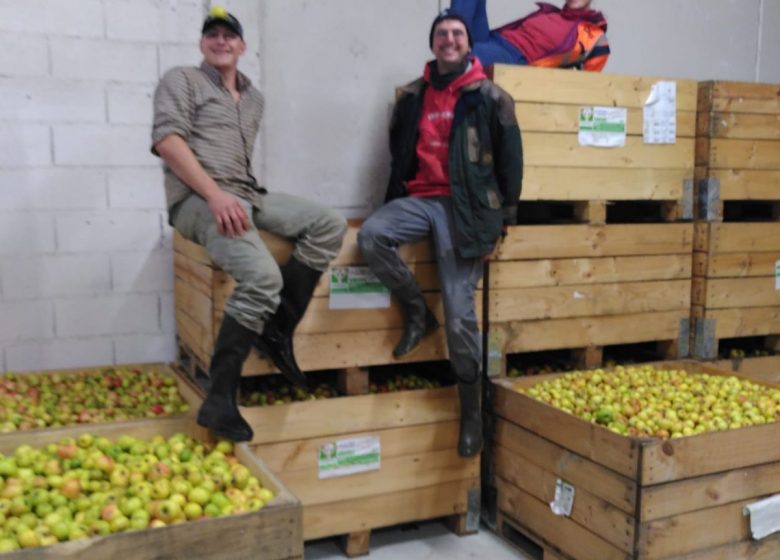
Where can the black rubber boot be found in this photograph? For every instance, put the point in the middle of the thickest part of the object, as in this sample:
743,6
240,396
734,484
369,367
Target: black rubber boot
276,342
470,439
219,412
419,321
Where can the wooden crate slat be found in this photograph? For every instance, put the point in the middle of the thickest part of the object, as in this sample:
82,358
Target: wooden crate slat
399,473
551,117
743,126
582,183
747,184
743,97
546,85
674,498
549,150
615,452
588,240
713,452
608,485
590,511
297,455
620,298
746,265
571,272
194,336
760,368
744,154
765,549
725,293
197,306
565,534
387,509
310,419
744,237
753,321
551,334
197,275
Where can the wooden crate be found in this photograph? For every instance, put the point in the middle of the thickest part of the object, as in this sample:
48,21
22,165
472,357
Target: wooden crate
325,338
189,393
421,475
635,498
737,235
594,282
761,368
273,532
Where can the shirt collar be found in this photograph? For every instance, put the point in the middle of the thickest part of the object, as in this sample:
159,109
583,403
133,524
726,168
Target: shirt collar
242,82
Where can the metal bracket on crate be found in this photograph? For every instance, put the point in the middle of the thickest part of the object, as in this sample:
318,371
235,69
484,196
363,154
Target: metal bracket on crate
687,200
706,345
709,199
684,340
474,505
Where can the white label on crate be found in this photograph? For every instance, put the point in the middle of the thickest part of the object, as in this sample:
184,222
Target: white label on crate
660,114
764,516
349,456
777,275
356,287
564,498
604,127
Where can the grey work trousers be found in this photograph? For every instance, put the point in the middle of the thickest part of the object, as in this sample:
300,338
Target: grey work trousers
409,219
316,231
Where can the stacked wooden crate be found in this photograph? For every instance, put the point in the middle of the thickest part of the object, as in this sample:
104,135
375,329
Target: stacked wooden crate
633,497
326,338
737,238
597,281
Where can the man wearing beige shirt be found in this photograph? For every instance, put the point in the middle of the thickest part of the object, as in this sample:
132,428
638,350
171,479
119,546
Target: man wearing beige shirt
205,122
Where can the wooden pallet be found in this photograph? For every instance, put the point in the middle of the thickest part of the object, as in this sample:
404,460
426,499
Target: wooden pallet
273,532
325,338
525,540
635,498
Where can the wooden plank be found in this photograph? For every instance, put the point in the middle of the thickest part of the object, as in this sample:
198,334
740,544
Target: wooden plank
743,238
698,530
194,336
761,368
197,275
551,334
399,473
753,321
584,240
765,549
589,511
745,97
341,350
744,154
353,381
618,453
387,509
709,453
550,117
526,447
297,455
198,307
309,419
526,304
545,85
725,293
356,544
746,184
581,183
571,272
735,265
692,494
744,126
568,536
549,150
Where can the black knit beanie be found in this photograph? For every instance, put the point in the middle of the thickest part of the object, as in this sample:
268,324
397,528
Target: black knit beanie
449,14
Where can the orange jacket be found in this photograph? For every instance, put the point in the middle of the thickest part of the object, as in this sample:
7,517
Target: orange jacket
590,51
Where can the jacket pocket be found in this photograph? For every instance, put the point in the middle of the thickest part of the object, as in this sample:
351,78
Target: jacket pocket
472,144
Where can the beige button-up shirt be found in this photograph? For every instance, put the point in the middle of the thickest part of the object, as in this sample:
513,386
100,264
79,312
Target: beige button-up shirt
193,103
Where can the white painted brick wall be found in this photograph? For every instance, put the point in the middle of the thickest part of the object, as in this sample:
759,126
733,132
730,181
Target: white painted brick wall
23,55
93,59
154,20
116,314
25,233
102,145
108,231
49,100
145,348
43,276
52,188
82,18
130,104
20,320
136,188
61,353
142,272
24,145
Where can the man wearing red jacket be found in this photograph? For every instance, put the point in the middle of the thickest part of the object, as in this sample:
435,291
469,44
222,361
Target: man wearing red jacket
455,176
570,37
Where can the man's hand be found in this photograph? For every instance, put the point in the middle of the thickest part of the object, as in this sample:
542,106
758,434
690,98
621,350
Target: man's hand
231,217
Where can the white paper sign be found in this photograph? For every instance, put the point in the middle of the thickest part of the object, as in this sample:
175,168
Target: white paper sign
777,275
356,287
349,456
604,127
564,498
660,114
764,516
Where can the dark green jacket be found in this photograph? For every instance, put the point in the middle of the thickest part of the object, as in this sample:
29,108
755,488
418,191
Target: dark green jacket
485,160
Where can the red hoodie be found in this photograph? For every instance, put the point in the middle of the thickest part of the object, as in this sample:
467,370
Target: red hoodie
433,144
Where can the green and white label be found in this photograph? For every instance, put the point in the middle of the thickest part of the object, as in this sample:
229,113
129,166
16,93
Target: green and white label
603,127
349,456
356,287
777,275
564,498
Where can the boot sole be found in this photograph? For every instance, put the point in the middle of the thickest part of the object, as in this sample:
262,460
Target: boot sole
416,347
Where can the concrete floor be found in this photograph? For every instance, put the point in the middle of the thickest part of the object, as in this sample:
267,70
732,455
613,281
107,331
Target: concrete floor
423,541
